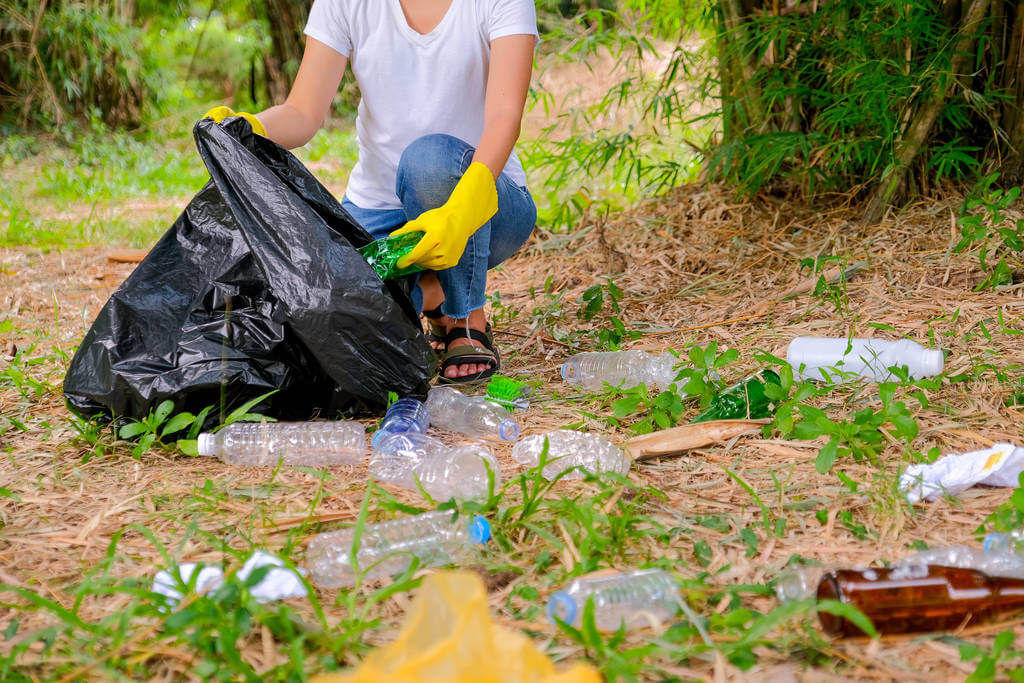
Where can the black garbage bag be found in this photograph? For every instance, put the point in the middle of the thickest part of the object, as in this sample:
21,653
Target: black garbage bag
256,287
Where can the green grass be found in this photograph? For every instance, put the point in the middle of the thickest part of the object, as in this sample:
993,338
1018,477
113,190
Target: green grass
112,189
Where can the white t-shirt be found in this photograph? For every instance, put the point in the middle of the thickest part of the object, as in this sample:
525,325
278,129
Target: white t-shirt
414,84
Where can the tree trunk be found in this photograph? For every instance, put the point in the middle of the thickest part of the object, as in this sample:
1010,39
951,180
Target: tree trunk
286,20
924,118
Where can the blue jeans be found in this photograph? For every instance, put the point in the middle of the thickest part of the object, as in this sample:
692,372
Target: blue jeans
427,173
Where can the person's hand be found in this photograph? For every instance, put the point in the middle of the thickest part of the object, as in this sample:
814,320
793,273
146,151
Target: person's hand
447,228
218,114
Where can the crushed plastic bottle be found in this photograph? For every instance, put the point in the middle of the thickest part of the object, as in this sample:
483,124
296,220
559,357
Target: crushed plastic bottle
743,400
405,458
1009,542
626,369
992,563
311,444
396,455
471,415
404,415
389,548
383,254
461,473
567,449
817,357
643,597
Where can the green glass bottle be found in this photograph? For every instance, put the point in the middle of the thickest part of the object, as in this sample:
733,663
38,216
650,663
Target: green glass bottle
743,400
383,254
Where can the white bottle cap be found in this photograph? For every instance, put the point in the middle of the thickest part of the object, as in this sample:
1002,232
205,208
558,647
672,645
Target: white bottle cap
205,444
931,362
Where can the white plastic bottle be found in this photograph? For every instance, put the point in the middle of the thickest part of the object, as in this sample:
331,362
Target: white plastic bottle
312,444
396,455
567,449
644,597
461,473
388,548
866,358
450,409
626,369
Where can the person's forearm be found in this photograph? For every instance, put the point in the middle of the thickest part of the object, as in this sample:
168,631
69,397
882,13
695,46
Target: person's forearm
288,126
499,137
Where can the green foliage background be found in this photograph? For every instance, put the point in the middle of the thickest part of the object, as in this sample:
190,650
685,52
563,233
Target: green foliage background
889,97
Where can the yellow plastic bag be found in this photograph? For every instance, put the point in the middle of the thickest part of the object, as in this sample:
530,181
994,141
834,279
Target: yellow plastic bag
449,636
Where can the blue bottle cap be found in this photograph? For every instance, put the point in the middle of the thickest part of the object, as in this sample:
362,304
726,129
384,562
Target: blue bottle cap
561,605
479,530
509,430
994,542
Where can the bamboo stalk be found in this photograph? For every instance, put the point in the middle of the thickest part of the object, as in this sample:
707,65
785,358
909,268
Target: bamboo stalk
924,118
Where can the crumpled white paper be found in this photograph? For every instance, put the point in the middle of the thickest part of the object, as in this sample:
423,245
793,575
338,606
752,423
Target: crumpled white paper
164,582
278,583
999,465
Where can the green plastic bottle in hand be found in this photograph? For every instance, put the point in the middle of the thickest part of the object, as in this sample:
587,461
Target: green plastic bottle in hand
383,254
742,400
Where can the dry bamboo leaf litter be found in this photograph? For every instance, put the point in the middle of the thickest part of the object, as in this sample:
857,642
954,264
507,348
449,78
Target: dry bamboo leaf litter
699,267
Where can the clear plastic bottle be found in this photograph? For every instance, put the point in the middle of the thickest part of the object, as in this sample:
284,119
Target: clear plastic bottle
461,473
312,444
395,456
799,583
626,369
404,415
643,597
866,358
471,415
568,448
388,548
993,563
1009,542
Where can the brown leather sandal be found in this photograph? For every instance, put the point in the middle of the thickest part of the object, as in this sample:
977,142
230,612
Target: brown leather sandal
466,354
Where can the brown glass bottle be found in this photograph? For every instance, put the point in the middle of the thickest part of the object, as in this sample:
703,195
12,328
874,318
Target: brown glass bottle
917,598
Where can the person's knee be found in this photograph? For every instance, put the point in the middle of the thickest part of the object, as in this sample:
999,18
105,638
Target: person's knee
429,168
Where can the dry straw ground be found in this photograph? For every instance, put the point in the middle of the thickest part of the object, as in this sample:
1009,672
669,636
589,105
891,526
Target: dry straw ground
696,266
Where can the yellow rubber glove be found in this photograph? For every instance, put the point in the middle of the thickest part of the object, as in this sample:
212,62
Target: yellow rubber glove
218,114
447,228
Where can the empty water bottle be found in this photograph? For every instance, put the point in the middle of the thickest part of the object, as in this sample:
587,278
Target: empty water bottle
567,449
460,473
395,455
313,444
1009,542
389,548
450,409
404,415
644,597
818,358
626,369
